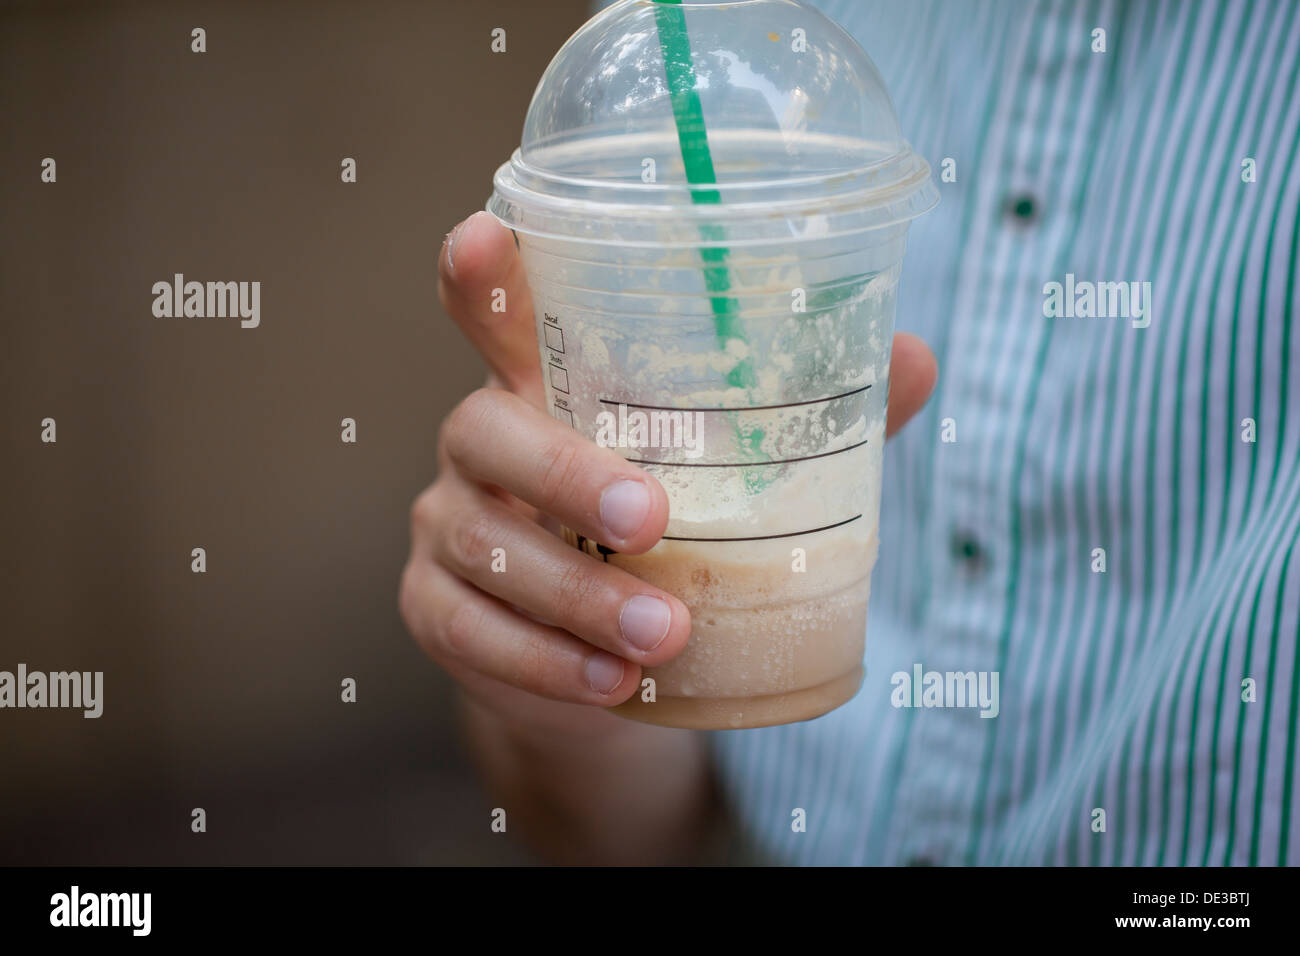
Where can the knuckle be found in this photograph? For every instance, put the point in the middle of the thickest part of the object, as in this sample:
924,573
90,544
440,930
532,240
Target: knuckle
407,603
471,539
561,469
469,419
532,661
477,409
577,592
424,509
460,631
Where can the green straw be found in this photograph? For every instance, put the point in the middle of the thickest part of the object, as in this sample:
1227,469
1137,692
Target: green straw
697,161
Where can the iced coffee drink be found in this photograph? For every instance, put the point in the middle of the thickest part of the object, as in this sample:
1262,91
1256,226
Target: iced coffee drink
712,223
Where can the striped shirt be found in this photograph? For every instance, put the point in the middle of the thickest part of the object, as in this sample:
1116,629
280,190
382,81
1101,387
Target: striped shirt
1102,513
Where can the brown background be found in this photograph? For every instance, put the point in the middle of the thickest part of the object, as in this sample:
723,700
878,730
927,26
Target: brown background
222,690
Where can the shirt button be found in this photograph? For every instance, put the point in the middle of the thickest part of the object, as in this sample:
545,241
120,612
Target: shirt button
967,551
1022,209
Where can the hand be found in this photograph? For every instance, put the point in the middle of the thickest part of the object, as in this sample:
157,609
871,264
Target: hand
557,629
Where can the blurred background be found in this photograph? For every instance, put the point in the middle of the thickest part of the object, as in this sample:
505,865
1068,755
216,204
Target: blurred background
222,689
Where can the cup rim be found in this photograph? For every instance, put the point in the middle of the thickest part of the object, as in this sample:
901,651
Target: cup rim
892,190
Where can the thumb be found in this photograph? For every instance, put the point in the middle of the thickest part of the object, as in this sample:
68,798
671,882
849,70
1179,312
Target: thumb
481,285
912,374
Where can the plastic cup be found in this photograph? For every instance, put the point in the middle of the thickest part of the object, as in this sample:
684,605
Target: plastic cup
733,337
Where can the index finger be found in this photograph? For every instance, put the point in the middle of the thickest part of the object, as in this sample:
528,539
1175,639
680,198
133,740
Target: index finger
496,438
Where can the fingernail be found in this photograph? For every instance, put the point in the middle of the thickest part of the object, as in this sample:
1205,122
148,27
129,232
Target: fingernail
451,243
623,507
644,621
604,673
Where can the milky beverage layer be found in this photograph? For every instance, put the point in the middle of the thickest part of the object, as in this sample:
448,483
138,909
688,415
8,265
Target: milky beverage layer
757,625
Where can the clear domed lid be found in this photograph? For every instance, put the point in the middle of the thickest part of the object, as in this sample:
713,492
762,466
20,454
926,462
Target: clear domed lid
746,113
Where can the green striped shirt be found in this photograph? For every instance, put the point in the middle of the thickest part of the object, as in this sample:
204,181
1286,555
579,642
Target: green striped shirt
1100,507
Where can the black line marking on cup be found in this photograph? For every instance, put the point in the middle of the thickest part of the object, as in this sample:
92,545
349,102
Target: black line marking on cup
744,464
601,550
745,408
769,537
